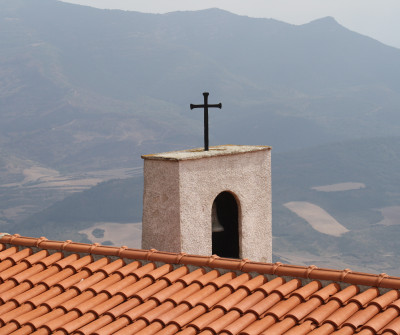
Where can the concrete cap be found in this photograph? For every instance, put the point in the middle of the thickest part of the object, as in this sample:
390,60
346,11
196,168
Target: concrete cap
219,150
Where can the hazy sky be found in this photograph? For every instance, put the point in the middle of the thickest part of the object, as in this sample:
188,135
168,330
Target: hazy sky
379,19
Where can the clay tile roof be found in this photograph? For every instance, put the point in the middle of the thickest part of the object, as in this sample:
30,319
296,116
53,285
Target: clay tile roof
52,287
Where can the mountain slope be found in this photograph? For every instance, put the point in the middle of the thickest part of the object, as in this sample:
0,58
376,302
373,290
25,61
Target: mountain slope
84,89
103,73
371,174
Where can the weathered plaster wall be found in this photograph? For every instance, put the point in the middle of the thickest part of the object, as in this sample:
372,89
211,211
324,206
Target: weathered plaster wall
161,208
244,171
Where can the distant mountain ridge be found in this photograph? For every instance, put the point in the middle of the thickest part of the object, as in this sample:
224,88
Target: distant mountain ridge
147,68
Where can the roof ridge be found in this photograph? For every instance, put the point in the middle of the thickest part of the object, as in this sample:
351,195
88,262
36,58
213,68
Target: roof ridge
311,272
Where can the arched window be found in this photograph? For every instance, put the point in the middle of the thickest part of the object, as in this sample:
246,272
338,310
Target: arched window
225,226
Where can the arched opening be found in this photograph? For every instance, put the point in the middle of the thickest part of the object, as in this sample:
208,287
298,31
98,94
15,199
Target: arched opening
225,226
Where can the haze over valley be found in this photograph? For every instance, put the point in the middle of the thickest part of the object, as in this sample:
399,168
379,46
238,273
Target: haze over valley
85,92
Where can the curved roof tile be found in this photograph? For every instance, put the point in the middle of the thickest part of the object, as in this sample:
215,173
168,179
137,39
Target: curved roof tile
55,287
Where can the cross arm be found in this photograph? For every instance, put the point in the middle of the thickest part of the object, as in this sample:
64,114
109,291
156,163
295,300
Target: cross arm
192,106
216,106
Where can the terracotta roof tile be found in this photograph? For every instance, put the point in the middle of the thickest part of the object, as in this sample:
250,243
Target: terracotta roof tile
381,320
332,305
392,328
281,327
7,252
14,257
391,297
362,317
241,323
130,329
75,322
206,291
259,326
205,319
169,330
189,316
316,300
275,297
88,326
304,328
50,287
113,327
337,318
244,305
172,314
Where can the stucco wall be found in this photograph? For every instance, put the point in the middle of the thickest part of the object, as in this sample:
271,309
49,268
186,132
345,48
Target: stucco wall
191,185
161,208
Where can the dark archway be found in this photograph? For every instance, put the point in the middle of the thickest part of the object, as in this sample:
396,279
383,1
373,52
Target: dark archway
225,226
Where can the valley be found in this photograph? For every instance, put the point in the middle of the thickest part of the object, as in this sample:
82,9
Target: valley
81,103
38,187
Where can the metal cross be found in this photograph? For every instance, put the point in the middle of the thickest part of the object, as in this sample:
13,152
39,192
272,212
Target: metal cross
206,106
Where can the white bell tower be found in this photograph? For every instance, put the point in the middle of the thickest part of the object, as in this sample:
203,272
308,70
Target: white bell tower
209,202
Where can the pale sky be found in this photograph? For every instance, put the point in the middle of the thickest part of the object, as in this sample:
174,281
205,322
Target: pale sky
379,19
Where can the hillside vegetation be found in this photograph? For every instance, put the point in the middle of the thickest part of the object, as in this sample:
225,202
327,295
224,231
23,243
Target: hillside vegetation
368,245
85,92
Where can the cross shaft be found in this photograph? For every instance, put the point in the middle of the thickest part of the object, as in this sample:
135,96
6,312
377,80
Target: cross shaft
205,105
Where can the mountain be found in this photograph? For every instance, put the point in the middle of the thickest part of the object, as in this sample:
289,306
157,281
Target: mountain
84,92
354,182
85,87
115,201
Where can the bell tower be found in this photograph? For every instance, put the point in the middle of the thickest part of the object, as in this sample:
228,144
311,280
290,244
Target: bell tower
209,202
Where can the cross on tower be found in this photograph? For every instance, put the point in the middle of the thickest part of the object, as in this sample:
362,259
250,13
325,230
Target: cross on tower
206,106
